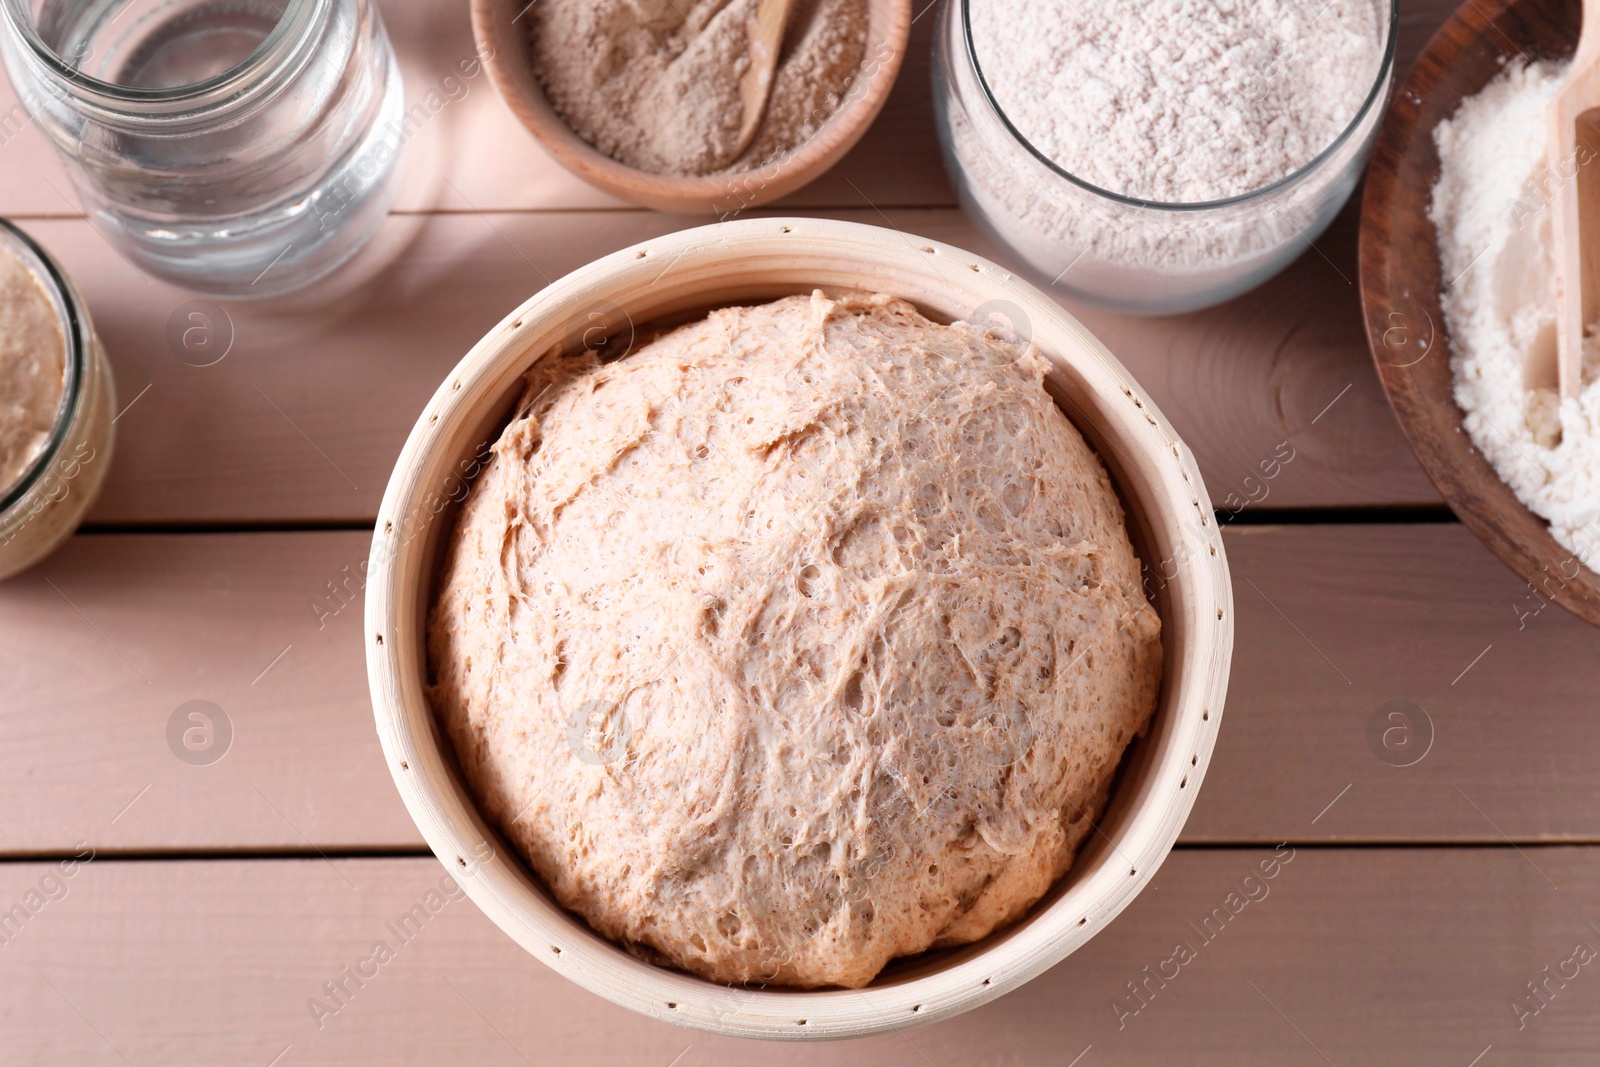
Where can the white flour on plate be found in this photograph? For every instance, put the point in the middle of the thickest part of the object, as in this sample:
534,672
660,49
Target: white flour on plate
1179,101
1490,206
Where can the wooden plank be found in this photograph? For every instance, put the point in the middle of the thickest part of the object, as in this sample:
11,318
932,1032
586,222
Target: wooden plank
1281,371
1333,624
101,645
106,641
469,153
212,962
302,419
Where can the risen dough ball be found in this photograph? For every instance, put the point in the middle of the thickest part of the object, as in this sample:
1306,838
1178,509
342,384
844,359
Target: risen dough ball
807,636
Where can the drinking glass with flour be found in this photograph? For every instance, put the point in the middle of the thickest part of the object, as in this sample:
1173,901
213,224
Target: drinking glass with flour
1159,159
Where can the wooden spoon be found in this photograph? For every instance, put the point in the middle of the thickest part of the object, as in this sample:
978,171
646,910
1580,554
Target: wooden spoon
1574,164
766,39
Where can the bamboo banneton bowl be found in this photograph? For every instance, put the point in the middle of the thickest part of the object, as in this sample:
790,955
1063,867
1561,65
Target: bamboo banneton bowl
1401,284
683,274
504,39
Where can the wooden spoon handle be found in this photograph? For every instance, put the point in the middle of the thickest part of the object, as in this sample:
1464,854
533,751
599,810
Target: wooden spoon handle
766,39
1574,166
1589,32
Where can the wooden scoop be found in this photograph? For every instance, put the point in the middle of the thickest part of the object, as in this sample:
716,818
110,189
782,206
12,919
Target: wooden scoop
766,40
1575,171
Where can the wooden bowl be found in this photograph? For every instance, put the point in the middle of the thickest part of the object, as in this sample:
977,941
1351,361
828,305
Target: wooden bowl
505,41
1170,520
1401,284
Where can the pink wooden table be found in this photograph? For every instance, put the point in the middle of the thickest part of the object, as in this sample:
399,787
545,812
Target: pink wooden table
222,564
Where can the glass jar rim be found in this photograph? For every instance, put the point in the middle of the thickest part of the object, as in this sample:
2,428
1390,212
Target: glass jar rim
73,323
219,88
1385,67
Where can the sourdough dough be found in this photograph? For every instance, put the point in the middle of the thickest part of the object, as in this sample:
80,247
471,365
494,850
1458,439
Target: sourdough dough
805,637
33,367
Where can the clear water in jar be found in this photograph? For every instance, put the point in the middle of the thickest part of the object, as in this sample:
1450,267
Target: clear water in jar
172,44
246,208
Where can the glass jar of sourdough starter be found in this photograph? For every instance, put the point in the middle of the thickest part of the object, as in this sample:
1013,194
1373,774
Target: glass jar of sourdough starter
1119,252
41,507
240,148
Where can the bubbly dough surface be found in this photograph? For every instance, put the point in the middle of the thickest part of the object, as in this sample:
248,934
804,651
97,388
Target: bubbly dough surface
33,367
807,636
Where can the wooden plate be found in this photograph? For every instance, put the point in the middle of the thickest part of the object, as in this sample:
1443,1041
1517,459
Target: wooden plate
503,40
1170,521
1401,284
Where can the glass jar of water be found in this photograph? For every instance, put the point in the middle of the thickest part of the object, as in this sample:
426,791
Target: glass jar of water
239,148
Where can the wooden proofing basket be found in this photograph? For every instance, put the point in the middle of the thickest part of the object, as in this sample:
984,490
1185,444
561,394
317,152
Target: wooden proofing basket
1170,520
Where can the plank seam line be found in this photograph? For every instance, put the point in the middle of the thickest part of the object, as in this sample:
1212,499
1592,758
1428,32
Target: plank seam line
1281,517
778,211
226,855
